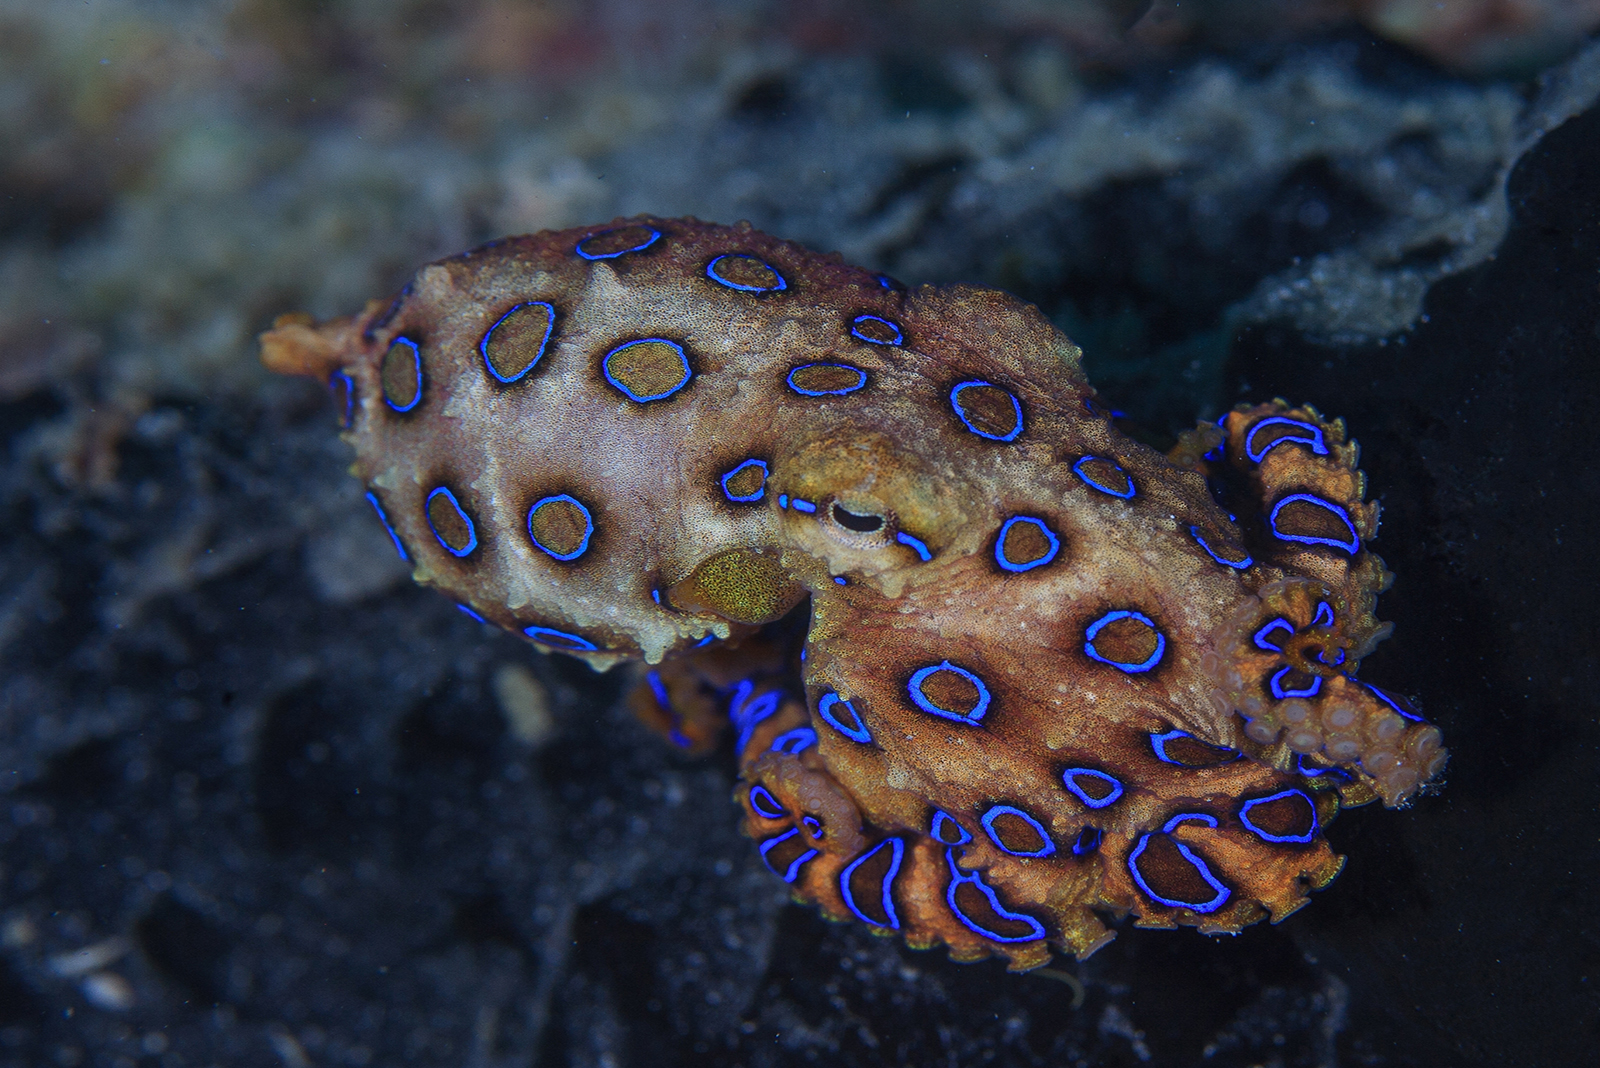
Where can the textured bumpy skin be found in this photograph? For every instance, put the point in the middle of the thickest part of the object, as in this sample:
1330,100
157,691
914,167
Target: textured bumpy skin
1051,675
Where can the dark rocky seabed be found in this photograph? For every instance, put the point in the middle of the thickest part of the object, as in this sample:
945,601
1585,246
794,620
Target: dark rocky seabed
296,830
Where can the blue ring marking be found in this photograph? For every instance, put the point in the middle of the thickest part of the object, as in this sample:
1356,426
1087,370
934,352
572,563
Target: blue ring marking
688,373
1111,617
549,328
1318,446
1312,773
812,825
1069,779
416,361
802,506
472,530
664,699
1237,565
961,414
1331,663
348,416
1088,841
1158,742
1262,637
794,742
1276,684
560,639
1000,544
703,642
1379,694
711,273
587,533
888,283
944,823
1216,451
840,580
918,677
655,235
783,500
655,595
760,490
958,877
469,612
1299,839
763,804
860,382
747,714
1077,469
1205,819
997,811
1352,546
856,731
792,872
916,545
855,330
1223,893
1324,616
372,498
899,848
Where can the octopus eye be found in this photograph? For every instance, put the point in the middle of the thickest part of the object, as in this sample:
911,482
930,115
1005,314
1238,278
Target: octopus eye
860,522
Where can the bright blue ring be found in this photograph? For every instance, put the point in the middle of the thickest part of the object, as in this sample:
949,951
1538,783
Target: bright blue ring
1351,546
630,394
899,848
703,642
1081,847
1260,636
1111,617
348,416
761,490
961,414
416,361
918,677
747,714
1077,469
997,811
472,531
587,533
1000,544
1324,616
792,872
1298,839
1315,440
711,273
655,235
1276,684
1069,779
372,499
1312,773
763,804
794,742
1205,819
549,328
957,877
860,382
560,639
855,332
470,613
1158,743
916,545
856,733
943,821
803,506
1386,699
1223,893
1237,565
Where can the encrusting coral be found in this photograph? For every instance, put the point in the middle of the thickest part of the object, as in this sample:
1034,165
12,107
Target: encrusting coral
1050,676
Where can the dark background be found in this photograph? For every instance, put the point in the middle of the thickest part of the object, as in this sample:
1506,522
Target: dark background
261,800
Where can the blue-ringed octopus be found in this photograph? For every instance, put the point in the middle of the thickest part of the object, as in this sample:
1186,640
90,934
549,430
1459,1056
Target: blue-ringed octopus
997,673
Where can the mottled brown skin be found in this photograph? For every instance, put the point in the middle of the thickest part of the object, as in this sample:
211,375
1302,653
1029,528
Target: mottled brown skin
910,481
